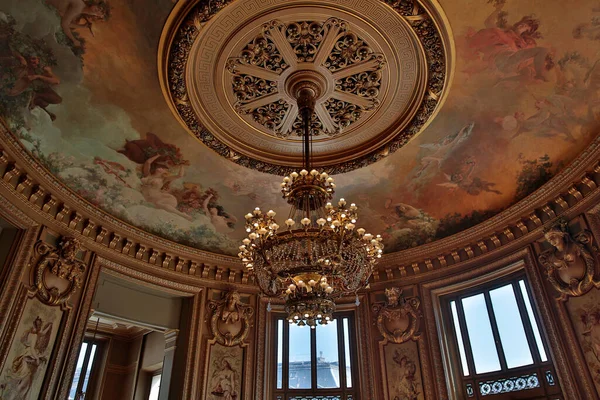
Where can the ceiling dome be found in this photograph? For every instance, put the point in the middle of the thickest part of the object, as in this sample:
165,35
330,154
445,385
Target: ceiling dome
164,122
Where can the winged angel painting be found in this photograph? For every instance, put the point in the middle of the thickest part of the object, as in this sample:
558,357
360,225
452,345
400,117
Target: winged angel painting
30,352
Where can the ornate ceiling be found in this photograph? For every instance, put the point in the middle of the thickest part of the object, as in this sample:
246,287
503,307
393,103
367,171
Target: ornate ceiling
167,116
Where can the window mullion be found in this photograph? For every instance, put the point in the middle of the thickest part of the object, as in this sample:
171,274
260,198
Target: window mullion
466,340
527,324
84,368
341,353
495,332
313,358
285,364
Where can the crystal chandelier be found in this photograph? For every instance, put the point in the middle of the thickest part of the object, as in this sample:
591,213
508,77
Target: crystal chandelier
319,255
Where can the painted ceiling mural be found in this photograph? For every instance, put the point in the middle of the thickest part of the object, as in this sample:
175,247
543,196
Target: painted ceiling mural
79,88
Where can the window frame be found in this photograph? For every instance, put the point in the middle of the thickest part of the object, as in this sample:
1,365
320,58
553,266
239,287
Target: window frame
94,368
343,392
545,371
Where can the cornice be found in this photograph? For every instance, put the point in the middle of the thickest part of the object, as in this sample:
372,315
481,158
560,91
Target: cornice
35,192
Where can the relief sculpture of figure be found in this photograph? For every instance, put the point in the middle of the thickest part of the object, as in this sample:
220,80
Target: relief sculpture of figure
23,368
154,180
224,381
570,267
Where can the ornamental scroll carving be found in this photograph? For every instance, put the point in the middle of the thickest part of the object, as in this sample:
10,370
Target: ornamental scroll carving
231,320
570,266
398,318
58,262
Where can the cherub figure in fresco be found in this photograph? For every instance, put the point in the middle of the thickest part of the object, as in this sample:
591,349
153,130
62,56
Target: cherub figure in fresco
443,148
511,50
403,215
222,221
406,387
37,80
551,119
23,369
463,179
77,13
155,180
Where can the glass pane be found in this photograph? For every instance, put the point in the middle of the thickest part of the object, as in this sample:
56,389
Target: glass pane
480,334
536,329
459,338
154,387
510,327
328,362
279,353
89,369
78,366
299,373
347,353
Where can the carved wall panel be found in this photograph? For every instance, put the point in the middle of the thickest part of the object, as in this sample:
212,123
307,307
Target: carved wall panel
402,371
584,312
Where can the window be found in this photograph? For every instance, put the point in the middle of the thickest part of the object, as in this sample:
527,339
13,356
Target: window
154,387
83,369
315,363
498,347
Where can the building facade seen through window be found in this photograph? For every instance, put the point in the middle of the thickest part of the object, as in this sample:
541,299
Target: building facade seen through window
315,363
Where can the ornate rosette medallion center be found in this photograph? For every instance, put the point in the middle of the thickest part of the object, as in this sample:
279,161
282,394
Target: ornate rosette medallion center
380,68
330,51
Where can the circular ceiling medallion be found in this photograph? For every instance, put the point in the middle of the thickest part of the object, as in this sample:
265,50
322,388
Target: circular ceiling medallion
380,68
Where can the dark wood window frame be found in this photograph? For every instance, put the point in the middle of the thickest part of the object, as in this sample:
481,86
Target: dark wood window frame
341,393
472,384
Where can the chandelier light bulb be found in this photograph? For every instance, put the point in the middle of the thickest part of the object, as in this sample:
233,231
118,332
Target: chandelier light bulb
290,222
304,172
305,221
294,175
271,213
253,236
321,221
249,215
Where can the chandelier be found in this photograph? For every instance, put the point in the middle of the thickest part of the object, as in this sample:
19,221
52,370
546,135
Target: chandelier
319,255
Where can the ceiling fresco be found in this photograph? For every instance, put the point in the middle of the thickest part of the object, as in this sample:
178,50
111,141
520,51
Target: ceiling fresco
79,87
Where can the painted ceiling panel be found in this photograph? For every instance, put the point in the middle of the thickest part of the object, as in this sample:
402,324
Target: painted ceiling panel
80,88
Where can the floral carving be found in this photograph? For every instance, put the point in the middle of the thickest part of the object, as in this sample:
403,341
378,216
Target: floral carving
570,267
343,113
305,37
62,263
262,52
347,50
364,84
271,116
246,87
231,320
316,127
398,319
